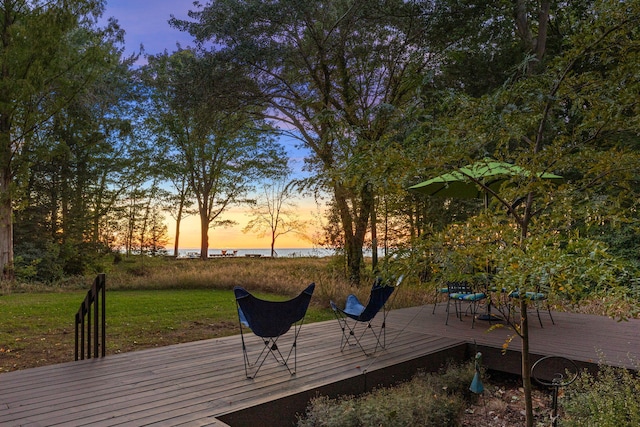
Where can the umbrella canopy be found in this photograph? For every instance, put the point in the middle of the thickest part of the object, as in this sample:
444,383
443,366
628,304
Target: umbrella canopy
462,183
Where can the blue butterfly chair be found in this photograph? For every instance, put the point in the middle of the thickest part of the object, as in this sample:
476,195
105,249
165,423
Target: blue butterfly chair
356,319
270,320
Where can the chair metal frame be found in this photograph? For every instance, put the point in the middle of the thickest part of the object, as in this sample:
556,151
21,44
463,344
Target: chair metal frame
439,291
460,292
270,320
536,298
356,319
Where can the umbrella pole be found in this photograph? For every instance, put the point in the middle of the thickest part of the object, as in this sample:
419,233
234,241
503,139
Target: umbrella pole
488,315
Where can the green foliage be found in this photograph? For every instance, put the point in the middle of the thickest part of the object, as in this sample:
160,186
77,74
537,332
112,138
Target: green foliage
623,240
52,53
564,264
39,264
25,271
427,400
610,398
39,260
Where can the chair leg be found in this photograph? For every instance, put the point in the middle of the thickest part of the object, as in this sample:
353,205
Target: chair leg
354,331
539,318
455,306
474,312
270,346
458,305
435,302
349,332
549,311
550,316
446,322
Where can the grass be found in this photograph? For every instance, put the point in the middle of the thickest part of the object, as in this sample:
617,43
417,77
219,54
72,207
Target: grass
158,302
38,328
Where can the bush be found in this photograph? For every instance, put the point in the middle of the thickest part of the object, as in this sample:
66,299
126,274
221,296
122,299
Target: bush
610,398
427,400
33,263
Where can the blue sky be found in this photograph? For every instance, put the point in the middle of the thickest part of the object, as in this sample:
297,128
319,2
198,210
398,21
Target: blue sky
146,22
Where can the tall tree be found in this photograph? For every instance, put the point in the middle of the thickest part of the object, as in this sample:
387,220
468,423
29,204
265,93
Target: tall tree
49,52
207,119
336,74
77,165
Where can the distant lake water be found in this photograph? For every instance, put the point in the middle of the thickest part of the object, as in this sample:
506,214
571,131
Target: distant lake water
280,252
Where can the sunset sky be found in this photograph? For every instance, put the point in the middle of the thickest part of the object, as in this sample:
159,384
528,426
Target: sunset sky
146,22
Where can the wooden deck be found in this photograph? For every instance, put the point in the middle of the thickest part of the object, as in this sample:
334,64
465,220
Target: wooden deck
203,383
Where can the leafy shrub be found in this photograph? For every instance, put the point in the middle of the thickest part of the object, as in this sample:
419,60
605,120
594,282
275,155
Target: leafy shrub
610,398
33,263
426,400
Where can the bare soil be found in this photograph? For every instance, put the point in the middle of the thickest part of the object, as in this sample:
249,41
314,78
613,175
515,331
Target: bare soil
502,404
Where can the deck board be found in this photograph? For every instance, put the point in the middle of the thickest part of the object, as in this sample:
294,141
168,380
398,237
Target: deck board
203,383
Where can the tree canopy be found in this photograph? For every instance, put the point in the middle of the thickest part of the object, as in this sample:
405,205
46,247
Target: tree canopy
383,94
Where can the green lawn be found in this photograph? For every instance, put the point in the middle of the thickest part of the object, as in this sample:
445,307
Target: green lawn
38,328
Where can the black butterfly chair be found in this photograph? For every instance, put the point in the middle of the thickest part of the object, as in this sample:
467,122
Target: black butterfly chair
269,320
356,319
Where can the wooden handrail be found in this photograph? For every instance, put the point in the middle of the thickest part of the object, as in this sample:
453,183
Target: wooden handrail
94,303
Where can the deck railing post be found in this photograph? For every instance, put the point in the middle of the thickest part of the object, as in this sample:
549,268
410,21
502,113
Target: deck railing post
76,345
94,305
87,303
103,311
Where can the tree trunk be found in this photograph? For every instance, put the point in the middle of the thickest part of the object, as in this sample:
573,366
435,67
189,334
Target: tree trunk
6,224
354,260
526,361
374,241
536,45
273,242
204,234
353,251
176,241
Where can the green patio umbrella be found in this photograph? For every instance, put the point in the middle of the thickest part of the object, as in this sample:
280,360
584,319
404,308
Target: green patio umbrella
464,182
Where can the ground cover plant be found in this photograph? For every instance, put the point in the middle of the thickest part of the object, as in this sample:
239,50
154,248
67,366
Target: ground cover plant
609,398
427,400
